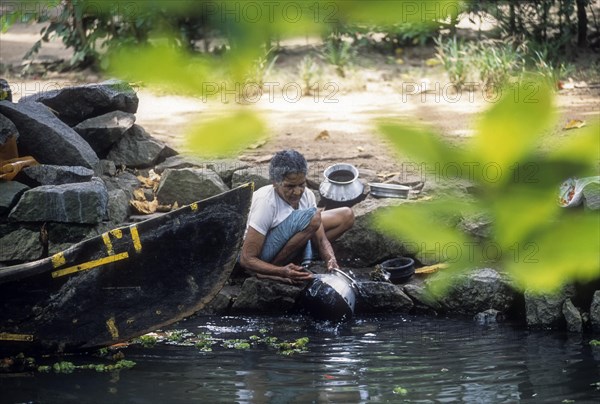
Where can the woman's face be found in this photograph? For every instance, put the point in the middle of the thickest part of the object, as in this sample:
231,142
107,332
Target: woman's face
291,188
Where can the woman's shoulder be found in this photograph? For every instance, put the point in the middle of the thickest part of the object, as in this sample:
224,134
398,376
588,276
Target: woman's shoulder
264,194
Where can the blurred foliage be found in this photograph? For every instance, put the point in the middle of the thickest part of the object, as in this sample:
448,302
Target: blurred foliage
338,53
494,63
540,244
156,43
454,56
563,22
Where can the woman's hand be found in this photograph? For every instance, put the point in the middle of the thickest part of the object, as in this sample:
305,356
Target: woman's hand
291,273
296,273
332,264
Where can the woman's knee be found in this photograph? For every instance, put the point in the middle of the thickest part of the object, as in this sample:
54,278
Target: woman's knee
347,216
315,223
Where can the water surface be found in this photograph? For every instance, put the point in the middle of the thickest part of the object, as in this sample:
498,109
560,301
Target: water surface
370,359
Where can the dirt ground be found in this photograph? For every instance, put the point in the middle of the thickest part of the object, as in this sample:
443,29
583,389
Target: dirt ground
335,125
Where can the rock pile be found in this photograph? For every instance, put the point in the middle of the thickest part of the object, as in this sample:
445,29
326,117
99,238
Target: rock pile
97,169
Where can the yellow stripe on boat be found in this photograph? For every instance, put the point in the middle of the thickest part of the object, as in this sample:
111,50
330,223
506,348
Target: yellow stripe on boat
90,264
135,237
112,328
58,259
108,244
117,233
5,336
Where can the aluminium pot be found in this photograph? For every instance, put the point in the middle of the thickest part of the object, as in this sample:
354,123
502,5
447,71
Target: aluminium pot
341,183
330,296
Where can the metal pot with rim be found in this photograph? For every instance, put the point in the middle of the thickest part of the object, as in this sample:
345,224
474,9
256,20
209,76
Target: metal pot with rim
330,296
341,183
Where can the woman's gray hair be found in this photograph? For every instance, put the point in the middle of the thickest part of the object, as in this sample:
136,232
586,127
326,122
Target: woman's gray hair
286,162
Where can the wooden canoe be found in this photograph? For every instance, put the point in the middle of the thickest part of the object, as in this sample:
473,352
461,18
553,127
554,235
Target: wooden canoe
125,282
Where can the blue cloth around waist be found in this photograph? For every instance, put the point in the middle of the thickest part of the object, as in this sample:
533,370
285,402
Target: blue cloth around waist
278,236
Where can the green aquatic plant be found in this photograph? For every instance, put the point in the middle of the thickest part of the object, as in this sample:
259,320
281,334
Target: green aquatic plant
595,342
147,341
236,344
204,342
176,335
290,348
63,367
400,390
69,367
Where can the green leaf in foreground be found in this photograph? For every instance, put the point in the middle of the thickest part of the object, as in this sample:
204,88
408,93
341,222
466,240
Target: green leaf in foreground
227,135
539,244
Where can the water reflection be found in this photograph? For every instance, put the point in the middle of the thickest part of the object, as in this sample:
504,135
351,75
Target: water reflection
431,360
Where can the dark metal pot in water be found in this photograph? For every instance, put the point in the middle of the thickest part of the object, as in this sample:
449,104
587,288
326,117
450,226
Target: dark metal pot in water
330,296
400,269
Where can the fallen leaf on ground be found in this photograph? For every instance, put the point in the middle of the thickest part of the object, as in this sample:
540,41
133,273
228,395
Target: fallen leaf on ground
574,124
144,207
257,144
164,208
324,135
138,195
360,149
388,175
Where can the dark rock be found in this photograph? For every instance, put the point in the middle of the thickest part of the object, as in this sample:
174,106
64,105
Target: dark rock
46,138
118,206
108,168
76,104
545,311
103,131
189,185
365,244
10,192
572,317
226,167
178,162
20,245
422,298
382,296
223,167
479,226
595,311
123,180
63,235
69,203
259,175
478,291
44,174
490,316
137,149
7,130
265,296
5,91
221,304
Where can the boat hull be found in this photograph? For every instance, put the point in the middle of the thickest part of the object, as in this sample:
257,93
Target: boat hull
126,282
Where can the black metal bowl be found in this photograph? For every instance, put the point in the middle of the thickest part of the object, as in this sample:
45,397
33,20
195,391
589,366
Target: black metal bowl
400,269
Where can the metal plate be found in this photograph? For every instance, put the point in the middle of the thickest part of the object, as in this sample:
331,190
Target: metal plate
389,190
